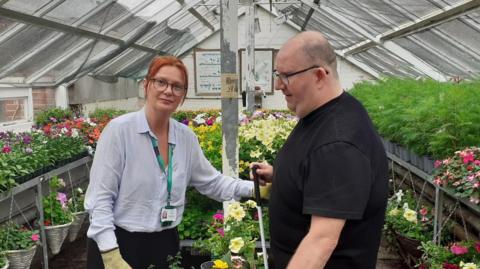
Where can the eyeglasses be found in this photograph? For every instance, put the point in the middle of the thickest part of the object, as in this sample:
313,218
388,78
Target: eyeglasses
162,85
284,76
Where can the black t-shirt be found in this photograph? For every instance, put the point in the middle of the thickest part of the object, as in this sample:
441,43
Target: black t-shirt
333,164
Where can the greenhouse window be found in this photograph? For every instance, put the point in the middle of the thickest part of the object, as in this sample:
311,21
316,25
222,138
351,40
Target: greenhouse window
15,109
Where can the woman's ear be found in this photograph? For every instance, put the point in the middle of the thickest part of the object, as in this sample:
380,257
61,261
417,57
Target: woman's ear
145,86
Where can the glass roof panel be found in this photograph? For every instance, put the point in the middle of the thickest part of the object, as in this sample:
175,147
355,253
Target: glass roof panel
25,6
5,24
105,17
418,7
384,8
21,43
70,10
139,65
49,54
122,61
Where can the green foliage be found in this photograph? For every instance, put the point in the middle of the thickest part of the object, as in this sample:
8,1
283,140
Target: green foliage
3,260
53,115
175,262
428,117
462,254
55,205
13,237
75,203
103,114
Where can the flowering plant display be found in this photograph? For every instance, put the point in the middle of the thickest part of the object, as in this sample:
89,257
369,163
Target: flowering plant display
55,205
460,173
75,203
231,240
407,218
14,237
460,255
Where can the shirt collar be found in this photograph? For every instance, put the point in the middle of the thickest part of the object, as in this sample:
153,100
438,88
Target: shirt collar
142,127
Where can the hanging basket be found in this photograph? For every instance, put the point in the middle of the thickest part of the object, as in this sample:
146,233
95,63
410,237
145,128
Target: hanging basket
6,264
78,219
55,236
409,245
20,259
206,265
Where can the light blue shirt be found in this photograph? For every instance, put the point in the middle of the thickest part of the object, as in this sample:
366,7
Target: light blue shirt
128,189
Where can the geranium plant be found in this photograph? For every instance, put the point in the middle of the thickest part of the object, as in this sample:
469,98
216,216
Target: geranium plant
231,240
460,174
55,205
14,237
460,255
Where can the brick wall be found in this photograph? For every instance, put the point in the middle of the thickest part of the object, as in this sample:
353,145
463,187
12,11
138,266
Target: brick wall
43,98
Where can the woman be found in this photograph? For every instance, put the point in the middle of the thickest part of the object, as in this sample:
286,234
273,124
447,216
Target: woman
142,166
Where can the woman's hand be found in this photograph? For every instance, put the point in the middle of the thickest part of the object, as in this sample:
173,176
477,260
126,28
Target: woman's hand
264,171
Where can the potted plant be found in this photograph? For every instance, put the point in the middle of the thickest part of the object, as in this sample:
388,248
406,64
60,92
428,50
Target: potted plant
18,245
231,240
408,224
75,204
57,215
460,174
459,255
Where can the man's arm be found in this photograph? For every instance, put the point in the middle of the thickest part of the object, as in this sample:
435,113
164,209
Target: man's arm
319,243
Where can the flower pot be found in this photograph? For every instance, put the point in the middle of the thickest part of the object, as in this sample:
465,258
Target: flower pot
56,235
20,259
428,164
78,219
409,245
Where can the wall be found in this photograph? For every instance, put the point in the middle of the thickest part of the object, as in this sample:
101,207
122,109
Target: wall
43,98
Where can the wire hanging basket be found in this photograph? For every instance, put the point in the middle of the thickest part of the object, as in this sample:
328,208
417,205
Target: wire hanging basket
20,259
56,234
6,264
78,219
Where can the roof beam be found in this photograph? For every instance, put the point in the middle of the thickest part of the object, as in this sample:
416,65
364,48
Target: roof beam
18,16
427,21
388,45
197,15
309,15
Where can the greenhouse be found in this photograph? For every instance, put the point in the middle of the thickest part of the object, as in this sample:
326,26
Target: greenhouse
239,134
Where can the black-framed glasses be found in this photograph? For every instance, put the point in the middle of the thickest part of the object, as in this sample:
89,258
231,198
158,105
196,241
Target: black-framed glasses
284,76
162,85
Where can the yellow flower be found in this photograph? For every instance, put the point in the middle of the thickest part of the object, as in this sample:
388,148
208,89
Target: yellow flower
255,154
410,215
219,264
236,244
469,265
237,214
394,212
251,204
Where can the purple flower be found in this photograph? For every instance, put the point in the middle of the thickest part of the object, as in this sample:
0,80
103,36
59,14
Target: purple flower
52,119
27,139
185,121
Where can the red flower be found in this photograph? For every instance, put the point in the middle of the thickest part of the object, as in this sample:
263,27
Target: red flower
469,168
6,149
47,222
450,266
477,246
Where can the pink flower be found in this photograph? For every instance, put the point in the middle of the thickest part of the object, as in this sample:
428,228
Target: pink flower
423,211
6,149
35,237
218,216
437,181
458,250
62,198
477,246
221,231
468,158
437,163
476,162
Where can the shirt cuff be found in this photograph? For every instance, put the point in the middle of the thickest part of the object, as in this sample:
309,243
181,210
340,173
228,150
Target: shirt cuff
106,240
244,189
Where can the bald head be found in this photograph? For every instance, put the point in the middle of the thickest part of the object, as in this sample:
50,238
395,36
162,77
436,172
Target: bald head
315,49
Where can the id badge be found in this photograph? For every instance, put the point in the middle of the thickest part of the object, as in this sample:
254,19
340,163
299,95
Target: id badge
168,215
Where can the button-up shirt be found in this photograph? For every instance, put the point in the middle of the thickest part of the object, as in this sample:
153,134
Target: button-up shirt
128,189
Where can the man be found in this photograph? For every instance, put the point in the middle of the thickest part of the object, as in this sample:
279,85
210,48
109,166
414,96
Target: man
330,184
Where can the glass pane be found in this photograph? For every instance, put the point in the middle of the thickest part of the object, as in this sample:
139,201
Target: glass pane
72,10
138,66
105,17
25,6
122,60
22,43
12,109
5,24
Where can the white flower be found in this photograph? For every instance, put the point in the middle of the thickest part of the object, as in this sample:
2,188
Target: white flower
199,118
410,215
64,130
251,204
399,194
405,206
90,150
469,265
79,190
61,182
238,214
74,132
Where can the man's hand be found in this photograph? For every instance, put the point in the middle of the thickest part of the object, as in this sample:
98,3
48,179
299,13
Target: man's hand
264,171
113,260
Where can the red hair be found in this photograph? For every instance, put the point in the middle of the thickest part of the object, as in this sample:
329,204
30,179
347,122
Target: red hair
160,61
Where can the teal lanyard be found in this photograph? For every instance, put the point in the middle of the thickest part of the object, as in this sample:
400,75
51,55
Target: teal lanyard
168,173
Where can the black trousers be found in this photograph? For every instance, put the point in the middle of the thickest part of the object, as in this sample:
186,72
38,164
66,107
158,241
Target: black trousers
139,250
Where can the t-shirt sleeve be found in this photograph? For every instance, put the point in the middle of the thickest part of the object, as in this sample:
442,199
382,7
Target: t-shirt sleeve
337,182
